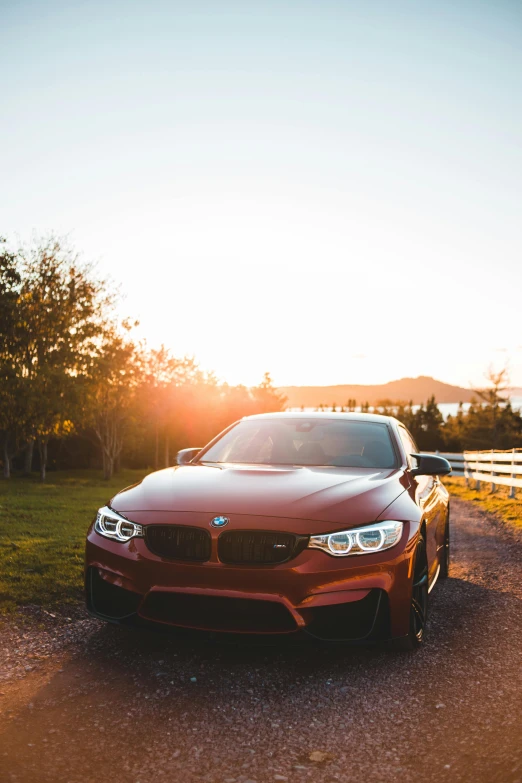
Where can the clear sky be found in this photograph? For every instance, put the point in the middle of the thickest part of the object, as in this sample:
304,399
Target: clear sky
329,190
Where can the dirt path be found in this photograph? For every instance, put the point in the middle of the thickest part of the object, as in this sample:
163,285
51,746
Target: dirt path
114,704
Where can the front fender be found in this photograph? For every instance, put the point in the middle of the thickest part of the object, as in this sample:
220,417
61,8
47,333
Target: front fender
403,509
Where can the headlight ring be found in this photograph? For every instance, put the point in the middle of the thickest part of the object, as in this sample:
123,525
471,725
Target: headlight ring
112,525
359,541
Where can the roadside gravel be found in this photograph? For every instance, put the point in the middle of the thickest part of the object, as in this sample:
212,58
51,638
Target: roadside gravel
81,700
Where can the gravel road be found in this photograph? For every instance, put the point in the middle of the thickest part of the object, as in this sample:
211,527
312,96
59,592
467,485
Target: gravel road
82,701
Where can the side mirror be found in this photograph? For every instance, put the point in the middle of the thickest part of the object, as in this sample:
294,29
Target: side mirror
431,465
185,456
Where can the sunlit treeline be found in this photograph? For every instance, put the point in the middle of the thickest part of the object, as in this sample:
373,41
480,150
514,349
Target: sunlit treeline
76,389
488,423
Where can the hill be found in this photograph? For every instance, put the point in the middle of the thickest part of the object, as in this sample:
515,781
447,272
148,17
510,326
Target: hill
417,390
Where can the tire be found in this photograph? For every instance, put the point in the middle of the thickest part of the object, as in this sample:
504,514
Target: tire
446,551
418,604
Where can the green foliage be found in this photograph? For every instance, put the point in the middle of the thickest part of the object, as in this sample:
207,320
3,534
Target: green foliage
425,423
12,412
68,366
266,398
490,422
52,314
10,280
111,387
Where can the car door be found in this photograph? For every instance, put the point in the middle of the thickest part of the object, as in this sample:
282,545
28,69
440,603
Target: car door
428,498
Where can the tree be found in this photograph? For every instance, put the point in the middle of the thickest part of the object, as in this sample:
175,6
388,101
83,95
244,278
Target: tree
428,426
159,370
490,422
45,349
11,413
487,412
495,396
10,280
266,398
110,397
454,430
160,397
424,422
63,309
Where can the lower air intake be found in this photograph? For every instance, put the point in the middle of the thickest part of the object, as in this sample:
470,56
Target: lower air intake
214,613
109,600
354,621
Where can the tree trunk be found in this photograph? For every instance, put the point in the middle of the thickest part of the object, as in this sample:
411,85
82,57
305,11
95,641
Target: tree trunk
42,451
6,458
108,467
156,447
167,451
28,458
110,437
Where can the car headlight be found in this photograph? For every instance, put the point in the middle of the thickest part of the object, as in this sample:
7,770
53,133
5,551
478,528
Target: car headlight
359,540
112,525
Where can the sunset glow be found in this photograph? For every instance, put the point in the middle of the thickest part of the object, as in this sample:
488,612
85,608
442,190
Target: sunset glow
322,193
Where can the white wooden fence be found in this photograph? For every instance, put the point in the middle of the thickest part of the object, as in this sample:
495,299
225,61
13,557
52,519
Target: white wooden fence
493,467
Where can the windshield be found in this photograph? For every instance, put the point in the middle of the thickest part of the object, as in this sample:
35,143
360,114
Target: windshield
346,444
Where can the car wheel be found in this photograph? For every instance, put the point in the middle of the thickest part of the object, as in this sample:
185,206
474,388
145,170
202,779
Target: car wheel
445,554
419,602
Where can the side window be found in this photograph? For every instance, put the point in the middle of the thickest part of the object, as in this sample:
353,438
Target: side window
409,444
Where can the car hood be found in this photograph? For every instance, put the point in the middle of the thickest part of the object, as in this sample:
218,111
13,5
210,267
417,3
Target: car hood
346,495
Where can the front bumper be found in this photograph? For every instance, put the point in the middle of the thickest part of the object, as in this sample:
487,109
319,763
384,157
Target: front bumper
353,598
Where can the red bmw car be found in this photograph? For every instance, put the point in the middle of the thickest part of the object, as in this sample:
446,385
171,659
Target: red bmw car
329,524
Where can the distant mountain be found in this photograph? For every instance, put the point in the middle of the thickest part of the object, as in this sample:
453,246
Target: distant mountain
416,390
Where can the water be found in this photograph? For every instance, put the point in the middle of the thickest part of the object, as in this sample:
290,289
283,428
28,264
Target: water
446,408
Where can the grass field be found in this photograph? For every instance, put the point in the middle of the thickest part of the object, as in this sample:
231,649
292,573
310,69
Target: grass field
498,502
43,527
42,534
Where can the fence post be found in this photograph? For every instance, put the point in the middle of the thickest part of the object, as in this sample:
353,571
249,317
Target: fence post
513,475
493,485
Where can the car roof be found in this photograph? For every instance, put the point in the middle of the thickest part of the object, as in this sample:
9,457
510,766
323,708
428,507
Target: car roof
372,417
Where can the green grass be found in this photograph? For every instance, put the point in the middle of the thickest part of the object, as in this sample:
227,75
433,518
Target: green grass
42,534
498,502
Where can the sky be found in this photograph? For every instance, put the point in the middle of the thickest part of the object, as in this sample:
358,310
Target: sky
329,191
